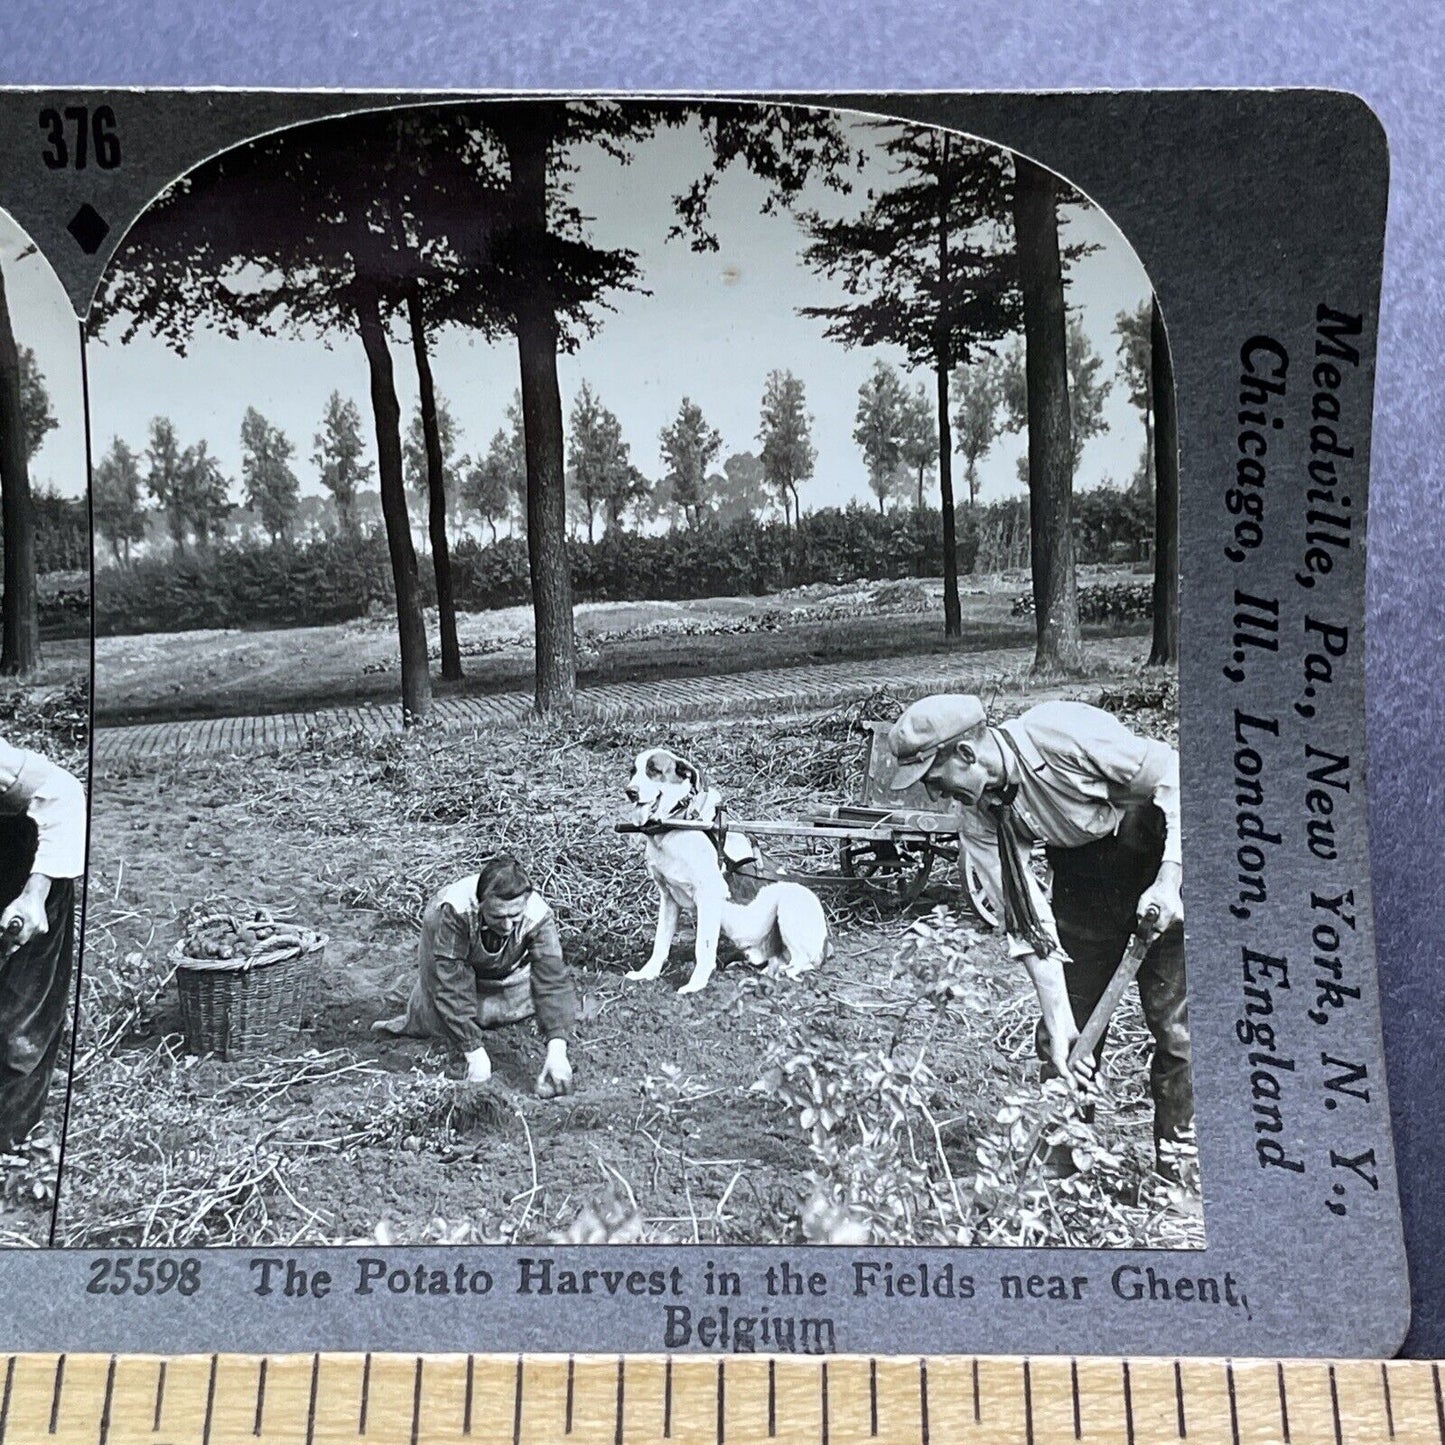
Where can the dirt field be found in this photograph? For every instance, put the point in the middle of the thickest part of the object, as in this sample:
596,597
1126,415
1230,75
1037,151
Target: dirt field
235,673
715,1117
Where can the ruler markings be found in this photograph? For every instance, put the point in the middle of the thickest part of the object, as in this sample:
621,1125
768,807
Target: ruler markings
260,1398
416,1399
106,1400
721,1404
210,1401
516,1405
5,1403
104,1435
621,1396
55,1397
311,1400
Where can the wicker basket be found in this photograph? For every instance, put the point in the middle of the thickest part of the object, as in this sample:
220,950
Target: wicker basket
233,1007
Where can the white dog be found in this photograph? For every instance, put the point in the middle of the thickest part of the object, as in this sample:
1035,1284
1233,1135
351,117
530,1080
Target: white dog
783,926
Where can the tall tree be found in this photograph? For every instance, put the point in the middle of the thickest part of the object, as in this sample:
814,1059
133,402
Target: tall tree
878,427
1136,368
205,494
689,447
341,216
269,484
1051,448
785,433
165,480
489,485
36,412
20,629
931,272
977,396
783,146
918,437
1165,647
743,490
432,471
340,458
1088,389
115,500
600,461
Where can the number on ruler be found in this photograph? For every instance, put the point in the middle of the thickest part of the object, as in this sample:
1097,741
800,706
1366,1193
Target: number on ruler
77,134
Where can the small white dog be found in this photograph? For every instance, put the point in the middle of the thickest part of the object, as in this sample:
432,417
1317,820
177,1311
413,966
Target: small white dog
783,926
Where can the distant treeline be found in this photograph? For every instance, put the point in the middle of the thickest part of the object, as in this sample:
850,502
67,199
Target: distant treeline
343,577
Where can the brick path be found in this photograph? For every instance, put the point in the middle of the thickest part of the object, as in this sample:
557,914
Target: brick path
774,691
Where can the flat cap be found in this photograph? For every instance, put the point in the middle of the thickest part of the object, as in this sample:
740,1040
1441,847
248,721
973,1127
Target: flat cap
926,727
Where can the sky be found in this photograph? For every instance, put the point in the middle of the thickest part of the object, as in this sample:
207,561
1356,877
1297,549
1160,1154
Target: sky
42,319
712,327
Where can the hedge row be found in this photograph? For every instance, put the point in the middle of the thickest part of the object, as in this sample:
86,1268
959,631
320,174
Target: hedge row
246,585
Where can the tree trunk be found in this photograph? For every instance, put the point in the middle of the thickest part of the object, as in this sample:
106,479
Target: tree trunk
1051,481
411,626
527,141
943,358
1165,648
20,652
436,487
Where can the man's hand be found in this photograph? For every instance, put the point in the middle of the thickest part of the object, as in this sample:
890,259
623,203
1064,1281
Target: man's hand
25,918
479,1066
1164,895
1058,1015
556,1076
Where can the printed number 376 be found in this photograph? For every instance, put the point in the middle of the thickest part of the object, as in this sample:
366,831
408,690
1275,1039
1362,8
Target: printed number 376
77,133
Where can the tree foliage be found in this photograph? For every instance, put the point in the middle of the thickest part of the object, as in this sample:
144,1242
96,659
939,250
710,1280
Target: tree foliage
878,428
340,457
270,486
689,447
977,397
38,416
115,499
785,433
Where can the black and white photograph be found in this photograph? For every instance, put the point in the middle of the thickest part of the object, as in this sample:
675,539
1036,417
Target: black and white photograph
44,724
636,694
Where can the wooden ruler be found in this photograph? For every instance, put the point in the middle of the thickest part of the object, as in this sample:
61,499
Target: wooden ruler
743,1399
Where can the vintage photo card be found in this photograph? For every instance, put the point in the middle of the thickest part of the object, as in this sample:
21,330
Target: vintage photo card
44,723
728,722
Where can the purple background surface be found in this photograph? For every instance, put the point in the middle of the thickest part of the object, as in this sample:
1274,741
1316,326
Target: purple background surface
1391,53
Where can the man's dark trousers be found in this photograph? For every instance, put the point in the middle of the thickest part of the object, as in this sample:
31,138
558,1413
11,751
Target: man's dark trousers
1096,893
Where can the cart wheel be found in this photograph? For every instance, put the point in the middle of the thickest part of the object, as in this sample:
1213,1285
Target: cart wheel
978,894
892,873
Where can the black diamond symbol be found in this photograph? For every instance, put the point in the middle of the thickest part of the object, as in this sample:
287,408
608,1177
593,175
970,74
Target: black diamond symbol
89,228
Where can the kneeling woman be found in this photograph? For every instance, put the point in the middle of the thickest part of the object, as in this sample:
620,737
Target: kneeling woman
490,955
